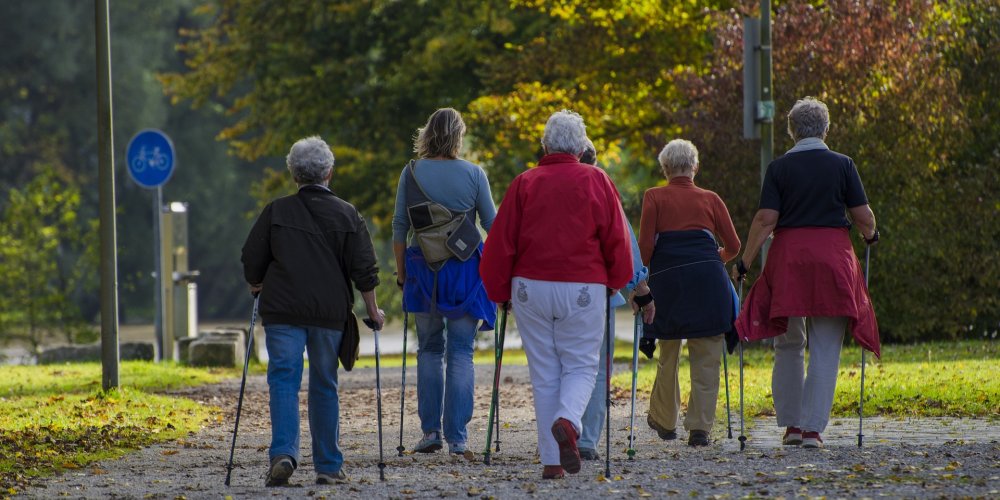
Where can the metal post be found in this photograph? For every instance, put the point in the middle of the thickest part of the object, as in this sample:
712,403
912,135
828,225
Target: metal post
106,177
766,111
158,303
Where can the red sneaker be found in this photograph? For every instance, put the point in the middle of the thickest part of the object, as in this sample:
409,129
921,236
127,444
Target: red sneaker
793,436
566,436
811,440
553,472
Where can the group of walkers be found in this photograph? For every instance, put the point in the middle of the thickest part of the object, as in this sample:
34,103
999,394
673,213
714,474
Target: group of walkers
559,254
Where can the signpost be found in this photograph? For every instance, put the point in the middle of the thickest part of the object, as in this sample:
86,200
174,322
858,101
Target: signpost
150,158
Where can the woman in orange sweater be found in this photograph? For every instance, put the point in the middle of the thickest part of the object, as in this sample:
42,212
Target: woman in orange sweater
694,297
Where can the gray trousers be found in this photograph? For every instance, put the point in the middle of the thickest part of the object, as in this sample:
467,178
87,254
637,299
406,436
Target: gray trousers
801,400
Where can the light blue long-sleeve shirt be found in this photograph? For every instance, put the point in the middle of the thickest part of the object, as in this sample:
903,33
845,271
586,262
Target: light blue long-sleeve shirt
639,271
457,184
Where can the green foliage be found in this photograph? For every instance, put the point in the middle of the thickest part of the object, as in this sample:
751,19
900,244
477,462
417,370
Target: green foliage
54,418
936,379
48,258
898,107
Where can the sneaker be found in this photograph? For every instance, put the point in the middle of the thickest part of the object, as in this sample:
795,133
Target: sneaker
456,448
811,440
430,443
566,436
589,454
553,472
331,478
281,469
698,438
665,434
792,437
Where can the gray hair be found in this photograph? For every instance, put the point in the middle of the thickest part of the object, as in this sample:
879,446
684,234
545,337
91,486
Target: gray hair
678,157
441,136
565,133
310,160
809,117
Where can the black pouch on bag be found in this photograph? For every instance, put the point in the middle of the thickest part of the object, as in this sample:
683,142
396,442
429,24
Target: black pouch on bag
465,239
350,343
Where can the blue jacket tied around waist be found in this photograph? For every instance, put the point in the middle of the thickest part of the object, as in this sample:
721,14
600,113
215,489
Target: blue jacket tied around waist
694,296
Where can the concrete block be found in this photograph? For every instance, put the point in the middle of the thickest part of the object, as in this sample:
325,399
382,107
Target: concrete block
215,351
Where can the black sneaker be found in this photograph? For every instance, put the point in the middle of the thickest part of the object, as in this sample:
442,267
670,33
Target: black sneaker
589,454
281,469
698,438
665,434
331,478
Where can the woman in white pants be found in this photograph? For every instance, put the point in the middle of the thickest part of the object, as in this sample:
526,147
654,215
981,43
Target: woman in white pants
558,246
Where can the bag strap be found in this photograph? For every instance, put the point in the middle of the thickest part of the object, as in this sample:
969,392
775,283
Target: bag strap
333,250
421,193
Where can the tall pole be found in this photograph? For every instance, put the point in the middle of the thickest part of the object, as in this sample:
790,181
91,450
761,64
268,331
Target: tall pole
106,180
766,112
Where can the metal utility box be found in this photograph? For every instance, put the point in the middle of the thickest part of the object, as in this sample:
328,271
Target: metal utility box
180,292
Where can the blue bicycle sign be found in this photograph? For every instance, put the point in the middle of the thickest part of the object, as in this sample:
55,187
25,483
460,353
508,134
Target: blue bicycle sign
150,157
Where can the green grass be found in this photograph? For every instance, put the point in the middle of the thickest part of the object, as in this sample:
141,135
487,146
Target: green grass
56,417
956,379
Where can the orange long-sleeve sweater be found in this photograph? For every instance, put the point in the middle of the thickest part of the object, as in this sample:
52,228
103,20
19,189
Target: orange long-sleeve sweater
681,206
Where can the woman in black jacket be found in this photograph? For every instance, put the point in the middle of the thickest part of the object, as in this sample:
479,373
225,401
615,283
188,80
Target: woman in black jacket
303,255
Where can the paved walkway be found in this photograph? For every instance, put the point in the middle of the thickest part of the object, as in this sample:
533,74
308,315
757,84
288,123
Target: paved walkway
901,458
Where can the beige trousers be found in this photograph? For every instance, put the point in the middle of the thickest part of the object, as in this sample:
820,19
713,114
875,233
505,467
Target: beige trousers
665,402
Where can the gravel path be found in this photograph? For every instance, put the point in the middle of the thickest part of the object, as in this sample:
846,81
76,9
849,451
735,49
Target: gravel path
902,458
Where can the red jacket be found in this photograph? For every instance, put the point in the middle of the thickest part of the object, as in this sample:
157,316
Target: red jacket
810,271
561,221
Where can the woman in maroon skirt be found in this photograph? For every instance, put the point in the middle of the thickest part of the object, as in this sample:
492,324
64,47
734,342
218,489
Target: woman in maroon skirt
812,276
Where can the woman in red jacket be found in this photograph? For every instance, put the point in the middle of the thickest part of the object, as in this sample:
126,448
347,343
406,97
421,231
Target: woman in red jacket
559,244
811,274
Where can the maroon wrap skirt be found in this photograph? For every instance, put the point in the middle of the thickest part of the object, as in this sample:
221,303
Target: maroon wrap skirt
810,271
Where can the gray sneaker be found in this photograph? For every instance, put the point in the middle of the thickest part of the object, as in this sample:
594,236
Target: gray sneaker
589,454
281,469
331,478
430,443
456,448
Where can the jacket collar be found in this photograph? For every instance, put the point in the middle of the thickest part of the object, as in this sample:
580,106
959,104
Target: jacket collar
554,158
315,188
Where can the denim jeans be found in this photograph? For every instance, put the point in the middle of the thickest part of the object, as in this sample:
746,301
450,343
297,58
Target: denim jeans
285,344
445,389
596,413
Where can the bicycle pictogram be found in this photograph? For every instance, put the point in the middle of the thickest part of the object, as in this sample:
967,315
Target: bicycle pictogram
154,159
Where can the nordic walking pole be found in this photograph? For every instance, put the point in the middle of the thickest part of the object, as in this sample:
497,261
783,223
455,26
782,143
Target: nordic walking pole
402,395
635,375
607,401
861,400
725,371
742,438
498,352
378,398
243,386
498,356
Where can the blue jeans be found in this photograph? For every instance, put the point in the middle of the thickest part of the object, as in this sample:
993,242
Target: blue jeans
596,412
285,344
445,388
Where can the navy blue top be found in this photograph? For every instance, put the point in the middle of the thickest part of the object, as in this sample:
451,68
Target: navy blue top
812,188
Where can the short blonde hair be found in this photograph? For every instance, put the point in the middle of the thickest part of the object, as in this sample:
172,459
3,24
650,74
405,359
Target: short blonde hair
441,136
678,157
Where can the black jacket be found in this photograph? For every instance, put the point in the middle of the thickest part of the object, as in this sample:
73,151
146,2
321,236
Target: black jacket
307,249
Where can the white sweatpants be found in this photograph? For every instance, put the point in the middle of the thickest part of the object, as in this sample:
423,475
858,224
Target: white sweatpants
562,328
